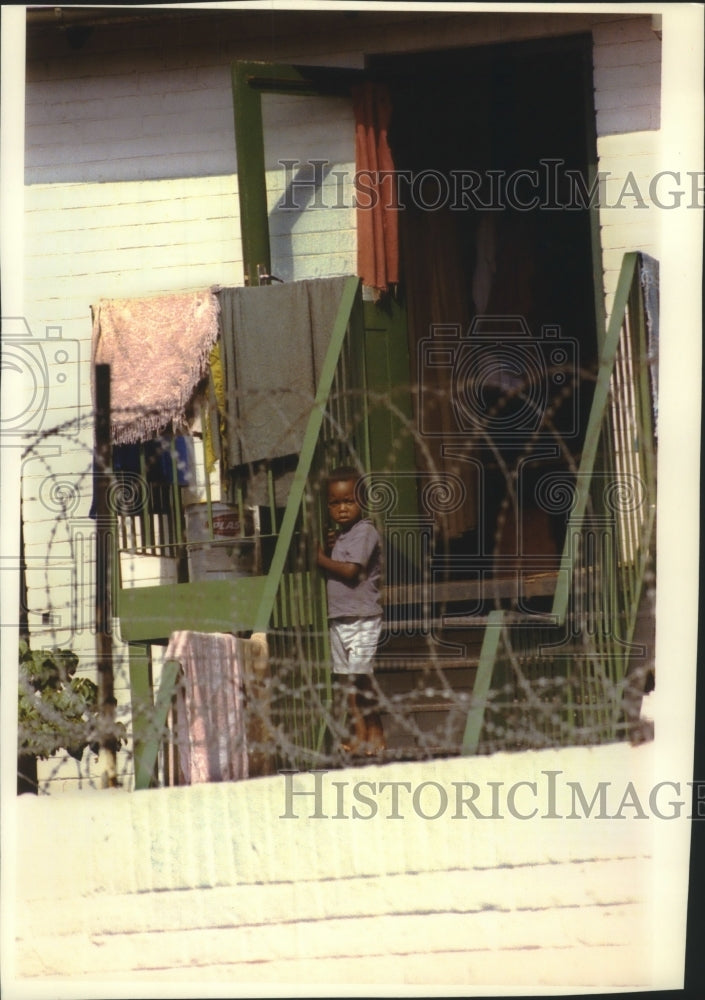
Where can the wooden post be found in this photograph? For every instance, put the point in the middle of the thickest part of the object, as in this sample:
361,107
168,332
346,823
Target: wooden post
103,556
260,736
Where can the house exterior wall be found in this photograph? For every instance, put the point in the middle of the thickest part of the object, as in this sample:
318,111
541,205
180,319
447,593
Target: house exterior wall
132,190
84,242
627,80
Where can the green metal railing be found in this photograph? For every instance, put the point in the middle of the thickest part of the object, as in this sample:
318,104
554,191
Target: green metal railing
287,602
563,679
559,678
297,625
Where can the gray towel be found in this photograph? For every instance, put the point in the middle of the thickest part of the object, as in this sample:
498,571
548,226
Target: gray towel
275,339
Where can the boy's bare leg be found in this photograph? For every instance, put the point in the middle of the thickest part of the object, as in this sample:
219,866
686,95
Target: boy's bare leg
340,714
367,707
358,724
375,734
352,721
366,732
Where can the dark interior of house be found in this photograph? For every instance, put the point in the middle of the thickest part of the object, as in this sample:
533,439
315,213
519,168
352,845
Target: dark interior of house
482,133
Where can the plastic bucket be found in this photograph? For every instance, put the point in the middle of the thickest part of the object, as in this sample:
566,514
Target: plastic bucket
229,552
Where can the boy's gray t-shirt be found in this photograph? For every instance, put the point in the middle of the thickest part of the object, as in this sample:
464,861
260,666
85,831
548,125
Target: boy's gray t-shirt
360,544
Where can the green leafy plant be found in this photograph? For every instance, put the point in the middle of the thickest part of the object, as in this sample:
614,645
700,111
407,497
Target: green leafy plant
56,709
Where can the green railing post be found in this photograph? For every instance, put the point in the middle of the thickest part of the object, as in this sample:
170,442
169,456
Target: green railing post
153,733
600,401
142,711
483,681
298,486
601,575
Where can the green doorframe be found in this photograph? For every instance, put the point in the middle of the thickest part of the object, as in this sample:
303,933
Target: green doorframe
251,180
249,81
387,360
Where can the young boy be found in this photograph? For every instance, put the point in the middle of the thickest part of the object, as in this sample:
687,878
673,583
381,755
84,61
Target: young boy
354,611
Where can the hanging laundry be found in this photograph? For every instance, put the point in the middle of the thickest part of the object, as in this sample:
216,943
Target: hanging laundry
161,464
158,350
155,463
275,339
214,410
210,707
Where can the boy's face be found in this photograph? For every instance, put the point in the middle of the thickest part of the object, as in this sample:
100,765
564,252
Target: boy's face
342,505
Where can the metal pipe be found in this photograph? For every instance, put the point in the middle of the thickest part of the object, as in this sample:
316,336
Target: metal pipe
103,591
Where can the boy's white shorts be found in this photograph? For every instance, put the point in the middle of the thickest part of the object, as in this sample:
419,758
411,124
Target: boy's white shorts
353,643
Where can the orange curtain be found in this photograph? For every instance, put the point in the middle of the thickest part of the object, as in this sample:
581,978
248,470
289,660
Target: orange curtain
377,205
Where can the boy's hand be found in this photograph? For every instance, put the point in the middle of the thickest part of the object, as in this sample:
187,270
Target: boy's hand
325,553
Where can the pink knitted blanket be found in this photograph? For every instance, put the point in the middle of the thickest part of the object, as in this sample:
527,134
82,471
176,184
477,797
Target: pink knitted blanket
158,350
210,707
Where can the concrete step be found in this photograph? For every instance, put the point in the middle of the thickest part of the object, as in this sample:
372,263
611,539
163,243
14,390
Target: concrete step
417,684
511,583
403,662
431,706
426,720
423,731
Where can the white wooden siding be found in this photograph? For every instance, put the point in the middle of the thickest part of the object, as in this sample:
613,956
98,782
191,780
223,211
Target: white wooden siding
627,81
130,116
123,124
121,111
89,241
310,242
85,242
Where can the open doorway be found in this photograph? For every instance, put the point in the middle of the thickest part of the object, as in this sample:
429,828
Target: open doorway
486,142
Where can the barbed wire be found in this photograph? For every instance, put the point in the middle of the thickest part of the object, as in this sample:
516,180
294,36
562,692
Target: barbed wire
424,695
